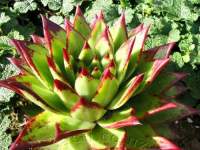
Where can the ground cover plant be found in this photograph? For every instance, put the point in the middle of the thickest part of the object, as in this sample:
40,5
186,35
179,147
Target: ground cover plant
97,85
176,20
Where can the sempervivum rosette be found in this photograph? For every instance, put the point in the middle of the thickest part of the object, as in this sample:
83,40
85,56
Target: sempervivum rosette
98,87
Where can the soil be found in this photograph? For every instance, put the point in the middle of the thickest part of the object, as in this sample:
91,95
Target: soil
188,132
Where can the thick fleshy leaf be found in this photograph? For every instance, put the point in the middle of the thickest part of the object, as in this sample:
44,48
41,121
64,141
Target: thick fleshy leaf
38,40
78,142
55,38
151,70
88,111
69,69
148,140
75,40
137,49
35,57
169,112
101,138
165,144
95,63
135,30
80,23
143,103
85,85
48,128
126,92
104,44
98,27
174,91
159,52
96,73
66,93
22,90
164,81
122,58
72,143
29,87
86,54
21,64
119,32
55,70
107,88
119,119
141,141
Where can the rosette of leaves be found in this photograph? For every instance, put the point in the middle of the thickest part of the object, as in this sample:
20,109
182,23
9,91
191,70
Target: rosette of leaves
98,87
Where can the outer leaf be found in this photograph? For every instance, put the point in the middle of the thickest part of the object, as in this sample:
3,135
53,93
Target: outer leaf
85,110
38,40
122,57
55,38
171,113
159,52
137,49
101,138
164,81
119,119
29,87
35,57
151,70
149,139
48,128
126,92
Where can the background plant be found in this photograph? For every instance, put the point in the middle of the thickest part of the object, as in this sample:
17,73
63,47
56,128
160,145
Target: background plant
172,20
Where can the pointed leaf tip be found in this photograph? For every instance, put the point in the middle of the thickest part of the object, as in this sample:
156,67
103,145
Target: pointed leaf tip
49,25
60,85
78,11
162,108
123,19
86,45
165,144
84,72
68,25
37,39
107,74
66,55
101,15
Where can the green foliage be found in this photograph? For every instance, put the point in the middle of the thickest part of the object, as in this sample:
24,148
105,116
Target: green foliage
6,106
171,20
5,139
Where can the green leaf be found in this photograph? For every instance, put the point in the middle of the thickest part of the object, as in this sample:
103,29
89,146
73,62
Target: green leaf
5,139
109,9
101,138
52,4
57,19
7,70
174,35
48,128
25,6
4,18
177,58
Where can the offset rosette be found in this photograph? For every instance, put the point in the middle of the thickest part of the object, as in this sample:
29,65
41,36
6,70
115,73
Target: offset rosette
99,88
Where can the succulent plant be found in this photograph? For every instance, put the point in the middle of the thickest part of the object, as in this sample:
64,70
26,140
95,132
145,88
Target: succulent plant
98,86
